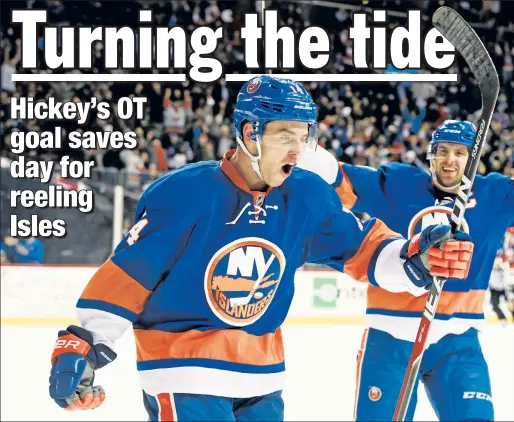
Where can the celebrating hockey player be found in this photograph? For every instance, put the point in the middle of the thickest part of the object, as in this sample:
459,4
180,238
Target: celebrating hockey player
408,200
205,276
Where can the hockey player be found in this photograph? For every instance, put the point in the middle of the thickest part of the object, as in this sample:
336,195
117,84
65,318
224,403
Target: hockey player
500,285
205,276
407,199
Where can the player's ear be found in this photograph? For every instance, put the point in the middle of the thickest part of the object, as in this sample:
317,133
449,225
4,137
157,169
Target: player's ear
247,132
247,138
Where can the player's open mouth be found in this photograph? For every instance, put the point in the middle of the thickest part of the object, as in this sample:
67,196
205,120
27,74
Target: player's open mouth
448,171
287,168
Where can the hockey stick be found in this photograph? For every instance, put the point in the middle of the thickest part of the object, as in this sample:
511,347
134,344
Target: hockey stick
246,299
455,29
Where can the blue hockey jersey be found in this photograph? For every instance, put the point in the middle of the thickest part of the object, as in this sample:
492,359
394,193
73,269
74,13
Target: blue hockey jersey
206,275
406,200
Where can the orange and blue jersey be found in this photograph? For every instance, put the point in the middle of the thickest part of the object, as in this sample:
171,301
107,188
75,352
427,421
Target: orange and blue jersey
206,275
406,200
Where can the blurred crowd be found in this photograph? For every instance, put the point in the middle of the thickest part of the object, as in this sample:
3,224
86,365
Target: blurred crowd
186,122
360,123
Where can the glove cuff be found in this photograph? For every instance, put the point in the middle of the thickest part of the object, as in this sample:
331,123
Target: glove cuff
411,247
70,343
79,340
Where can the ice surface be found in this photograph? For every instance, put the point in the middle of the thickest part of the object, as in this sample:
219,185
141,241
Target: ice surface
320,362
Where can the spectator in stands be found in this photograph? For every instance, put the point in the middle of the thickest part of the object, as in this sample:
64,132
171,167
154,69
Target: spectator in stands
3,254
9,65
23,251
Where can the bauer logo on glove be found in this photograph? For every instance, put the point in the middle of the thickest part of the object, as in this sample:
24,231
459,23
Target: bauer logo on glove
74,361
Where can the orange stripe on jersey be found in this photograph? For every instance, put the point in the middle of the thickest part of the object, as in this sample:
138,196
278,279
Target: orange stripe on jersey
113,285
357,266
228,345
471,302
165,407
345,190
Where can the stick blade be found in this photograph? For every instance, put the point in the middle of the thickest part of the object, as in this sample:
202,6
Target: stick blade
238,301
466,41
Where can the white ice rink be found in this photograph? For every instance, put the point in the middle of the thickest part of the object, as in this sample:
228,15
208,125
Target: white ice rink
320,381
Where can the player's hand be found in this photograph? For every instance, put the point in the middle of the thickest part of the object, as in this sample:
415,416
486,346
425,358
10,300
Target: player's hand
434,253
74,361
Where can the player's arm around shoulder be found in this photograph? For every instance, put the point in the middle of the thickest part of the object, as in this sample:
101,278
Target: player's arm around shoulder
118,291
367,189
371,252
497,191
325,165
359,188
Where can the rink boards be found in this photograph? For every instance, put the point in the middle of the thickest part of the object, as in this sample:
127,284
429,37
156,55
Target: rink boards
46,295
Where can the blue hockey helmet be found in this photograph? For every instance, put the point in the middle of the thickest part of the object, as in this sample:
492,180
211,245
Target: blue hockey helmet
266,98
452,131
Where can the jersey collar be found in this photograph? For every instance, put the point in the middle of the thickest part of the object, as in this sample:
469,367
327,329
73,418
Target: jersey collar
234,176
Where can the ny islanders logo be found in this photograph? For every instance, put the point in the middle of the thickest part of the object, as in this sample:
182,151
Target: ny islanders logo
374,393
437,214
254,85
242,278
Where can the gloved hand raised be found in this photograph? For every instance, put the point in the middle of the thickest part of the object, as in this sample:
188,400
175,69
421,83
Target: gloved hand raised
74,361
434,253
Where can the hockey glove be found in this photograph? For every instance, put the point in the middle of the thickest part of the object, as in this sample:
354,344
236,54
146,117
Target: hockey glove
74,361
432,253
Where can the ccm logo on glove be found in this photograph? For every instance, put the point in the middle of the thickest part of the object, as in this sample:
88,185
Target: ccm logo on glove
434,252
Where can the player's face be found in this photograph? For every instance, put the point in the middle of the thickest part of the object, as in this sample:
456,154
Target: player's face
450,163
282,144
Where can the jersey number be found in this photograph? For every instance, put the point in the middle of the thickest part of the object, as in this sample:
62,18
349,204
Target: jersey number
135,230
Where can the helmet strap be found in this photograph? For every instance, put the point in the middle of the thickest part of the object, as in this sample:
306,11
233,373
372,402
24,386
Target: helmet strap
254,159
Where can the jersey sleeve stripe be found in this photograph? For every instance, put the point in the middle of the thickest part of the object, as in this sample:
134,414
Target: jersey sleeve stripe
107,307
110,284
357,266
344,189
373,261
